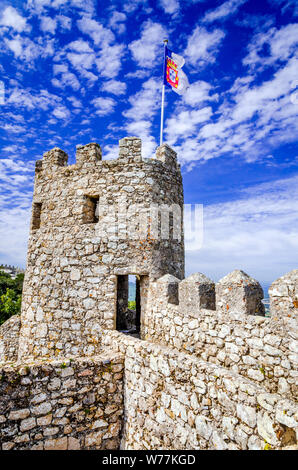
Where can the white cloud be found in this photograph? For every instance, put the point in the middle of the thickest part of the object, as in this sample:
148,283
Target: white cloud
267,98
199,92
48,25
82,62
110,152
203,46
66,80
115,87
144,105
170,6
287,6
145,102
106,58
224,11
132,5
108,61
16,176
257,233
146,49
80,46
26,98
75,102
61,112
185,123
40,6
104,106
117,21
100,35
282,44
27,50
12,19
64,21
13,128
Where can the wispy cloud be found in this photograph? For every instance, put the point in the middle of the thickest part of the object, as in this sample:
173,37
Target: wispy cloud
48,24
104,106
145,49
115,87
144,106
12,19
247,231
203,46
170,6
16,178
224,11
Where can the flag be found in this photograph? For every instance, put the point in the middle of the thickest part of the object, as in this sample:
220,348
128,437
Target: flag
174,77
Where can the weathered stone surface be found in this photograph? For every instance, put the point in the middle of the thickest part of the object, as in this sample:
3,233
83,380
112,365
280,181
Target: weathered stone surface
211,376
283,295
9,338
197,291
78,248
259,348
239,293
55,421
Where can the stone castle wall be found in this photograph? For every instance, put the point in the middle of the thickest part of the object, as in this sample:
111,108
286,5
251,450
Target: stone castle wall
62,404
173,400
284,294
259,348
9,339
74,252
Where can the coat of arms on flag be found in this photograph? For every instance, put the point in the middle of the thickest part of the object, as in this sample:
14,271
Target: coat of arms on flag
172,73
174,77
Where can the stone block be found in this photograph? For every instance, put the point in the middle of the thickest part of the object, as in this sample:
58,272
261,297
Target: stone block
196,292
90,153
130,148
238,293
283,294
53,158
167,288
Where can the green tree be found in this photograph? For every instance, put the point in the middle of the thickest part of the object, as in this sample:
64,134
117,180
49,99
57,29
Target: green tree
10,295
6,282
10,304
132,304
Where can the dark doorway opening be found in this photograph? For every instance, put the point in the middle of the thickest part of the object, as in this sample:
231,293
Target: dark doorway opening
128,317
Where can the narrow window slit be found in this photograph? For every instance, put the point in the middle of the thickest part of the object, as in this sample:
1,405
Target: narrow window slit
91,210
36,215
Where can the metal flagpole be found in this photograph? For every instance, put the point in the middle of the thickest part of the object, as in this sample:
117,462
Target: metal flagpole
163,94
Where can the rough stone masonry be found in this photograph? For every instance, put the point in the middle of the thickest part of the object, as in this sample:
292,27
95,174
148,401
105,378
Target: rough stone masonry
208,371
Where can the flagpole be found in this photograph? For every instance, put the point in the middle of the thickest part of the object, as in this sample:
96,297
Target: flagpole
163,94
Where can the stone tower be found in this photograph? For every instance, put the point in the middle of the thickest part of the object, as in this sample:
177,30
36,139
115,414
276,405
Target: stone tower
88,234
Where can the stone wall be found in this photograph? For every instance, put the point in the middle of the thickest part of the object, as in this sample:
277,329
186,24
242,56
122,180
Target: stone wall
62,404
175,401
9,339
259,348
284,295
78,243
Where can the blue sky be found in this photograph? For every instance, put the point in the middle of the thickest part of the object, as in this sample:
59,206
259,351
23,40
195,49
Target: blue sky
79,71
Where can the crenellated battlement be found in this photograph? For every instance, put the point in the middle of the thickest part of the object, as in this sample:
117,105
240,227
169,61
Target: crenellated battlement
191,315
90,156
